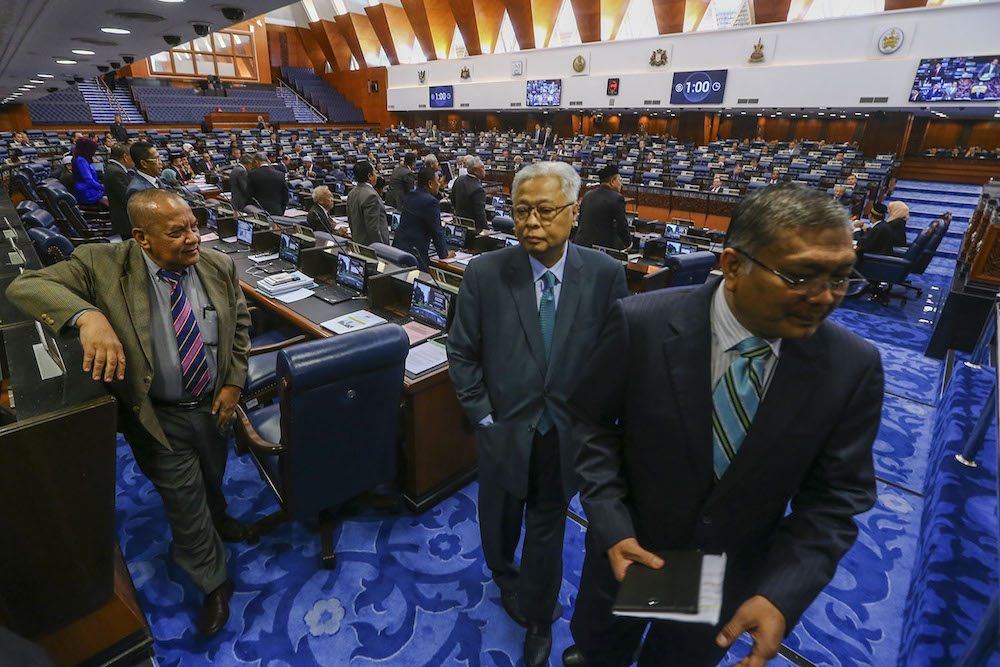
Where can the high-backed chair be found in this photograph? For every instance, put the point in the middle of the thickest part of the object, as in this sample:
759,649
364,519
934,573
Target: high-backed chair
50,245
334,433
85,226
27,206
884,271
503,223
400,258
680,270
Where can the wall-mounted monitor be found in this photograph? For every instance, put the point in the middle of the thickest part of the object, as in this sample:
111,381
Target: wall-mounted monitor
544,92
613,87
702,87
442,96
963,79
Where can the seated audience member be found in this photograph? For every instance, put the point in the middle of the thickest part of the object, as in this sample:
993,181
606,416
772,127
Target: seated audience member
204,165
337,173
877,239
420,220
775,176
840,194
896,218
380,187
175,164
87,189
319,214
737,173
716,184
169,176
66,175
117,176
187,171
851,181
283,164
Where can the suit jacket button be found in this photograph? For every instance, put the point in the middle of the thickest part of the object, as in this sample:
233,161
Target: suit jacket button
706,520
136,409
148,379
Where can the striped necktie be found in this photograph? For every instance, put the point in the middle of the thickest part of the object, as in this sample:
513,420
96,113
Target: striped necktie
195,373
547,318
735,401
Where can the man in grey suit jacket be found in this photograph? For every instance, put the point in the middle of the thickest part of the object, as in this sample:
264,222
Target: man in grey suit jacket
239,182
147,169
526,320
402,181
365,210
117,177
704,412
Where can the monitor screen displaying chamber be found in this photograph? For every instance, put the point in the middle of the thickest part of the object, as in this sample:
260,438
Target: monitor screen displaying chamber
289,249
454,234
961,79
430,304
350,271
244,232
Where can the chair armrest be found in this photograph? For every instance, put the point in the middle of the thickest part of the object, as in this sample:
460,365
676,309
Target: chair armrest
886,260
274,347
76,240
249,437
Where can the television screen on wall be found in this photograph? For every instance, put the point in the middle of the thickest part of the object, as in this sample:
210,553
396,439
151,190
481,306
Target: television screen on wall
442,96
702,87
963,79
544,92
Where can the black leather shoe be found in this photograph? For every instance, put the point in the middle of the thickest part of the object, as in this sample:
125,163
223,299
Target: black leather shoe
512,605
537,645
231,530
573,657
215,610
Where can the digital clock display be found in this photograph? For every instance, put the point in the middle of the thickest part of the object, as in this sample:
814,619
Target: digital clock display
704,87
442,96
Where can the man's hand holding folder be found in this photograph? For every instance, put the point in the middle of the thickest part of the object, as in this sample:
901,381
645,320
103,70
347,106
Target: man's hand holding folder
627,552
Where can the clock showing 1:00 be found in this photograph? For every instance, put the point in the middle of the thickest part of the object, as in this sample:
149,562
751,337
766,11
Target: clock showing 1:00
702,87
442,96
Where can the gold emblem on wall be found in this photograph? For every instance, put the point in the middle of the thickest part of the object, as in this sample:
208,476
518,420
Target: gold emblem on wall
659,58
758,52
890,41
579,64
422,75
465,73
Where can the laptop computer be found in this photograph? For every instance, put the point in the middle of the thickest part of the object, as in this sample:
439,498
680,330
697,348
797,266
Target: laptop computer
429,314
352,279
394,219
454,235
678,248
288,255
244,239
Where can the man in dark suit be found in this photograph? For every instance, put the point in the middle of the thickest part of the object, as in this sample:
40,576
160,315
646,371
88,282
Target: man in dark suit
267,186
704,411
548,138
602,213
319,214
117,176
365,210
420,221
148,166
177,389
525,324
468,194
401,181
239,182
118,131
716,184
536,136
877,239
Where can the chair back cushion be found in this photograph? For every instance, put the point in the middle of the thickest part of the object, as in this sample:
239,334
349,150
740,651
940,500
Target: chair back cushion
690,269
340,416
503,223
51,246
388,253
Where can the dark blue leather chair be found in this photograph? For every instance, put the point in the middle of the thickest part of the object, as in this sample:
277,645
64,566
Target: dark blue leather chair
50,245
27,206
503,223
680,270
884,271
392,255
334,433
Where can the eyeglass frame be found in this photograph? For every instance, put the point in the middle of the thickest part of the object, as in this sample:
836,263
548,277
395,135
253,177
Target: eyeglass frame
556,211
799,285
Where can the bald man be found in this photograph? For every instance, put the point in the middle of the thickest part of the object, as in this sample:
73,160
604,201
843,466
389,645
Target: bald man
166,328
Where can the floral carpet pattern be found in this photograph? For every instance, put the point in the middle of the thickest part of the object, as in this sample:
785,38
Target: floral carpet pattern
414,590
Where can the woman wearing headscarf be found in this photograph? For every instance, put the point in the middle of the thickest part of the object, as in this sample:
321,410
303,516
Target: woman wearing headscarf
169,176
896,218
87,188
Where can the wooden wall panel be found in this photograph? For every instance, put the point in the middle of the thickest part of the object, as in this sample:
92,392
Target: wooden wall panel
421,27
399,28
544,14
317,58
809,128
333,44
904,4
14,118
285,47
465,16
885,133
360,36
942,134
489,16
840,131
669,16
985,134
770,11
353,85
588,19
380,24
521,19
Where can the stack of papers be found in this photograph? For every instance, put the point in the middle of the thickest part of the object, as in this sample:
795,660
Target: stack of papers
359,319
282,283
425,356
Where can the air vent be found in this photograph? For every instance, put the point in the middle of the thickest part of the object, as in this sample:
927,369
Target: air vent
651,101
392,106
611,102
576,103
464,104
880,100
143,17
866,100
421,106
95,42
515,104
748,100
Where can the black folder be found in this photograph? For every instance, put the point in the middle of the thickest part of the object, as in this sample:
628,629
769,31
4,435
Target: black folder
674,588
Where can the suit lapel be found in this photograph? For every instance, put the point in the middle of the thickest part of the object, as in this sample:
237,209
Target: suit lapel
136,292
216,291
522,289
569,300
688,352
798,367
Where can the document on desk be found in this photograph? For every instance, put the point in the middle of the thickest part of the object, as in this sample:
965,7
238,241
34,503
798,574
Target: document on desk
459,257
295,213
297,295
211,236
263,257
424,357
359,319
713,573
417,332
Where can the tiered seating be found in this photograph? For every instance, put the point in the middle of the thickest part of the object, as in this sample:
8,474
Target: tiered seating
184,105
322,96
61,107
303,112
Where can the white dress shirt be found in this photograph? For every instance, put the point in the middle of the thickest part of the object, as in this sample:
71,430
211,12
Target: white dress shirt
727,333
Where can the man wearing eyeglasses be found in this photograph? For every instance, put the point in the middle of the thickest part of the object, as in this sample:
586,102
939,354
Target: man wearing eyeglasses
704,412
526,321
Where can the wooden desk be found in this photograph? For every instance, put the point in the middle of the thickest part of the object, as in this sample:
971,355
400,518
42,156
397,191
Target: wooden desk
230,119
439,448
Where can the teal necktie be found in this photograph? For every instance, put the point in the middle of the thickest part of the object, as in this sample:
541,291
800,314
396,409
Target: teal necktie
547,318
735,401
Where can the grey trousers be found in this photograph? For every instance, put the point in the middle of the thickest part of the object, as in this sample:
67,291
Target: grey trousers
189,480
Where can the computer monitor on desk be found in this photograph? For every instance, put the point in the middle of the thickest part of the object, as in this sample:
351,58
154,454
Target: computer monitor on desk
620,255
394,218
678,248
288,249
351,271
430,304
454,234
509,241
244,233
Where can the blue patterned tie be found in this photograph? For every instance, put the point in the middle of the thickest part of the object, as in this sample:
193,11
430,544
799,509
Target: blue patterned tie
547,318
735,401
195,373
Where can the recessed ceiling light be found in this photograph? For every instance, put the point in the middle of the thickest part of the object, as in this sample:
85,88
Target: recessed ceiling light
82,52
116,31
46,76
36,80
65,62
171,1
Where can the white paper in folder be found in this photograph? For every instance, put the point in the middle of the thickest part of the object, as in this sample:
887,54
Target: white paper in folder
425,356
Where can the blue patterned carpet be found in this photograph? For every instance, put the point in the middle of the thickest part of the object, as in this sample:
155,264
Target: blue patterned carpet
414,590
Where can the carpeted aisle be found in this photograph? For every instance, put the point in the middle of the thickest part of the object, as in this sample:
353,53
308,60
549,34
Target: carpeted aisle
414,590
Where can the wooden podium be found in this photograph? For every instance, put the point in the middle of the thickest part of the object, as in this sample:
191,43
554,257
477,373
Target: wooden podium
235,119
